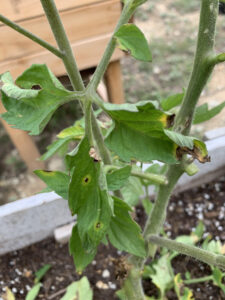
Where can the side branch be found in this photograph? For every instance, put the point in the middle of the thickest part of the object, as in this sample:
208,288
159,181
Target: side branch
31,36
195,252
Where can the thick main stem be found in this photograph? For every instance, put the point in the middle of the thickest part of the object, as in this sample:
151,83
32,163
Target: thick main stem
202,69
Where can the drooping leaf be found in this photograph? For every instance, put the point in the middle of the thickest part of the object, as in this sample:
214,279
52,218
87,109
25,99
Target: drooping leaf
41,273
79,290
203,113
138,132
124,233
117,178
171,101
88,196
189,145
29,109
56,180
33,292
130,38
81,257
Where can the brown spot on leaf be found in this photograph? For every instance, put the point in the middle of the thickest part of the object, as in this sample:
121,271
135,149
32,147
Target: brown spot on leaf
195,153
170,121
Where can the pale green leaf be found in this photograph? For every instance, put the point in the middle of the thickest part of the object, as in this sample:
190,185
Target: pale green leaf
124,233
29,109
54,147
33,293
56,180
132,191
171,101
130,38
203,113
79,290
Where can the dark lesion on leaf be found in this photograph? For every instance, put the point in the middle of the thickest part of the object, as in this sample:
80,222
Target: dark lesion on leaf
86,179
98,225
170,121
195,153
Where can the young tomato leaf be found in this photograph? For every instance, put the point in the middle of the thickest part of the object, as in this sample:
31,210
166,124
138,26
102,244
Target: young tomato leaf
130,38
79,290
117,178
132,190
57,181
124,233
171,101
29,109
88,196
80,256
203,113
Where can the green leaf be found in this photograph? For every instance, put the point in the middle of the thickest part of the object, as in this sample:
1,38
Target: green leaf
148,205
54,147
76,132
124,233
41,273
213,246
163,277
132,190
33,293
171,101
88,196
130,38
79,290
117,178
199,230
29,109
57,181
80,256
138,132
203,113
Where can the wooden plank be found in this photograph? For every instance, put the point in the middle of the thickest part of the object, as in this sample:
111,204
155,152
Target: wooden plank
17,10
114,83
81,23
85,57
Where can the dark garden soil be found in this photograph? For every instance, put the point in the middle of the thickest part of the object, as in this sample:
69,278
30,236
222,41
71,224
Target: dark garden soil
206,203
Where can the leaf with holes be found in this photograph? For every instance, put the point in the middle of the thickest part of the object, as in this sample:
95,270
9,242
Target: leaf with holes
31,109
88,196
130,38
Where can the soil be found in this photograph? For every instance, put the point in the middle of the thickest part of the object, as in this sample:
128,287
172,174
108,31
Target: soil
205,203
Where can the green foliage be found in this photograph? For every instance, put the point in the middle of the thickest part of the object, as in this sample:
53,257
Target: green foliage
130,38
203,114
33,293
79,290
88,196
56,181
124,233
30,109
41,273
117,178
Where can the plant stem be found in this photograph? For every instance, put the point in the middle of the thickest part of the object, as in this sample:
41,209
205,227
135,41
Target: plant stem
192,251
159,179
72,69
63,43
198,280
31,36
126,14
201,71
203,65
